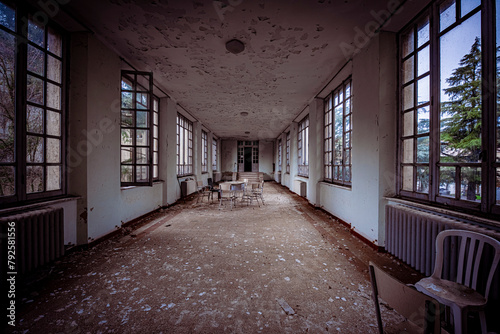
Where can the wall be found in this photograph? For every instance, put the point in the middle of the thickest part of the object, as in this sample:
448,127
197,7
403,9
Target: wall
266,158
94,139
228,155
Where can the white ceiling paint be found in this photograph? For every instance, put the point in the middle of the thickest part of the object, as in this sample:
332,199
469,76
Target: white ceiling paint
293,49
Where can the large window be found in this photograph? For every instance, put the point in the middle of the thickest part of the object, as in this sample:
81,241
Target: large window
449,123
337,135
303,147
214,154
156,138
288,152
204,151
279,155
32,108
184,146
137,113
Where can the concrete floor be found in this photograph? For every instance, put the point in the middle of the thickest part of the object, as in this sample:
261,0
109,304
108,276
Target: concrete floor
280,268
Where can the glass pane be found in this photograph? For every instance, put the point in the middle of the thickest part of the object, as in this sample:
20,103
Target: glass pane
408,151
36,60
34,149
127,119
468,5
347,174
127,155
423,32
348,123
54,42
126,174
36,33
498,81
447,12
423,120
142,155
423,179
408,97
142,100
155,117
7,82
34,120
7,179
142,119
348,90
54,68
127,100
447,181
53,178
347,157
35,90
53,123
408,124
471,184
155,144
498,186
423,150
461,92
408,178
408,69
127,136
423,61
53,150
142,173
53,96
423,90
155,172
34,179
7,17
142,138
155,131
408,41
155,158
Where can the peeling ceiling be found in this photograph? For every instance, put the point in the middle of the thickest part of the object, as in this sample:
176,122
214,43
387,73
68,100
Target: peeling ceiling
292,49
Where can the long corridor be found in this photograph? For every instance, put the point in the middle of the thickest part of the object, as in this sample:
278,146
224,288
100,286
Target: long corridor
283,267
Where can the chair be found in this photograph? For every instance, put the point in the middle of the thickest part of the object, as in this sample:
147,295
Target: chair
212,187
258,191
226,194
238,191
461,294
421,310
203,191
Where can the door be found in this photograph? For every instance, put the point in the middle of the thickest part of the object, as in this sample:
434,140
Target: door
248,159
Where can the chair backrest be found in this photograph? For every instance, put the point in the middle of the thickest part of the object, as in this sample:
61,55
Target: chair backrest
421,310
470,252
210,182
200,184
225,186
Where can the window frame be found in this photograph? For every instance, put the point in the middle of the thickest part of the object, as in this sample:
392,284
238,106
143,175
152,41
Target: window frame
340,173
303,147
186,137
486,206
156,138
21,72
204,152
288,152
280,150
138,88
214,154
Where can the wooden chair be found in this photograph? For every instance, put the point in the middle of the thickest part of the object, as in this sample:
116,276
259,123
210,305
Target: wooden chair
421,311
461,294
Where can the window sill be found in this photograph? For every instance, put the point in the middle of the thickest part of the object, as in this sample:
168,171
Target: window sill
40,204
335,185
469,218
132,187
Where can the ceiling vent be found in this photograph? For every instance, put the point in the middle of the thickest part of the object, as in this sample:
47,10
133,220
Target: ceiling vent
235,46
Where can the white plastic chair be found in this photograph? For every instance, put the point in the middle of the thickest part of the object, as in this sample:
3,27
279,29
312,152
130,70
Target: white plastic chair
461,295
226,194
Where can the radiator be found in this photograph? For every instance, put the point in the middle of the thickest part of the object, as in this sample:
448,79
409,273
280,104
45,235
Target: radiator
188,187
300,188
39,236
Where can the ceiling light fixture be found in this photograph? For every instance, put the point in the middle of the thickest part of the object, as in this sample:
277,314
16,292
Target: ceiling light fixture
243,113
235,46
247,132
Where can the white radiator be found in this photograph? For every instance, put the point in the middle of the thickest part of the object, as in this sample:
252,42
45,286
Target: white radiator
300,187
39,238
188,187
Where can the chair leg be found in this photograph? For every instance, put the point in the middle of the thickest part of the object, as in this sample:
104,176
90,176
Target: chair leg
482,319
459,320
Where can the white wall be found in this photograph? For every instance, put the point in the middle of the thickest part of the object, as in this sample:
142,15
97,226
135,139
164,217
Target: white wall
229,154
266,158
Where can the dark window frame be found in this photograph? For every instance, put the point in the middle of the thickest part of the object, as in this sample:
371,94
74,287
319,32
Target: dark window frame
303,147
288,152
204,151
214,154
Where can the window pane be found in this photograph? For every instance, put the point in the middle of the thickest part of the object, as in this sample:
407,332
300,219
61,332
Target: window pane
127,100
408,97
7,17
461,92
142,119
126,155
53,123
468,5
142,138
126,174
34,149
54,42
53,178
7,180
7,101
142,155
127,136
53,150
54,67
408,43
53,96
447,181
36,33
423,90
34,120
34,179
35,90
423,61
408,124
423,179
471,184
408,69
142,173
423,32
447,14
127,119
408,178
155,172
36,60
142,100
408,151
423,120
498,186
423,150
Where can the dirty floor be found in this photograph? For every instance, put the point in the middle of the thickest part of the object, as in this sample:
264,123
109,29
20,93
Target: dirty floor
284,267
